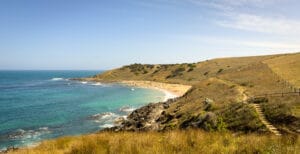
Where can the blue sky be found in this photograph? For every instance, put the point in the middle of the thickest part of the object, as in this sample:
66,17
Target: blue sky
104,34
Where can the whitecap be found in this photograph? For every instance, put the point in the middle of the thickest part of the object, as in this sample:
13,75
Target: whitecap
44,128
107,126
28,134
126,109
97,84
103,116
57,79
84,82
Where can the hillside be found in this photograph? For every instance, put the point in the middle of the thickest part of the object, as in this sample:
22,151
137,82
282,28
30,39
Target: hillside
219,93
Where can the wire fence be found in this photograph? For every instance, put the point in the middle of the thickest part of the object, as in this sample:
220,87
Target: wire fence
283,81
282,94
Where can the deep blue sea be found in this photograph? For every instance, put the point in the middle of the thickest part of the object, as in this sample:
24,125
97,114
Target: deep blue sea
39,105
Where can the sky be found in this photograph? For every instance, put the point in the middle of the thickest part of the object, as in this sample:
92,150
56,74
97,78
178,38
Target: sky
105,34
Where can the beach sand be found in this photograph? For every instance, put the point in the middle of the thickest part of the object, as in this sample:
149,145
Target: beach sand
170,90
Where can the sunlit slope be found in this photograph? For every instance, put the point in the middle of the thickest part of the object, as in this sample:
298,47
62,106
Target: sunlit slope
287,67
250,72
226,81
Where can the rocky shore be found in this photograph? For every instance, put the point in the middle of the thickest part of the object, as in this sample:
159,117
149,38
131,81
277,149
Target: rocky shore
147,117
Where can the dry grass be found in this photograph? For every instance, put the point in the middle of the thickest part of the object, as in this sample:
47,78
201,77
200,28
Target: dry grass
227,81
288,67
283,112
188,141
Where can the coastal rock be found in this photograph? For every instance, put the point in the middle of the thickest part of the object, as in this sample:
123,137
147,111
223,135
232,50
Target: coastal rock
142,119
8,150
119,121
208,103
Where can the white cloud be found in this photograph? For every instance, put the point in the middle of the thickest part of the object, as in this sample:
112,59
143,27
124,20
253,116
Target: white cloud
253,15
272,45
279,25
227,5
242,44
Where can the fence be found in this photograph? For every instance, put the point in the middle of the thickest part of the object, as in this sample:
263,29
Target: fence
296,93
281,80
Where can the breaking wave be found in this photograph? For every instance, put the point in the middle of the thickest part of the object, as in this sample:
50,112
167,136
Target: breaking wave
127,109
97,84
28,134
103,116
107,126
57,79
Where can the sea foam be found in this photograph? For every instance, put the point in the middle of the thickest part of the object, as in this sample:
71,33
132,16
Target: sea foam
103,116
107,126
97,84
57,79
127,109
28,134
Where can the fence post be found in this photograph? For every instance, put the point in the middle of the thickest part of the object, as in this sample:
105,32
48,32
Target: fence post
282,94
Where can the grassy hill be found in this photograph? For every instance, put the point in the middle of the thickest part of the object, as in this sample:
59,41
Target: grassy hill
227,82
287,67
215,116
261,72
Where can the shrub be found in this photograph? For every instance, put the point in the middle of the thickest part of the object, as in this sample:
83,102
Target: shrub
176,72
190,69
220,70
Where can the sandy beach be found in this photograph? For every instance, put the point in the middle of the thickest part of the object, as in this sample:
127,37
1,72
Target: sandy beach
170,90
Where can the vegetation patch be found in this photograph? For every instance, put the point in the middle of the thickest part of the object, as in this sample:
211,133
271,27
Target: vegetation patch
279,111
177,72
178,141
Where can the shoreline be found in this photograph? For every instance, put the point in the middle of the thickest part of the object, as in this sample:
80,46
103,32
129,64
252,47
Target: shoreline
171,90
145,117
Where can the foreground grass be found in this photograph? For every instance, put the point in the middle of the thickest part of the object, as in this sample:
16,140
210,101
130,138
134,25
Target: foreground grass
187,141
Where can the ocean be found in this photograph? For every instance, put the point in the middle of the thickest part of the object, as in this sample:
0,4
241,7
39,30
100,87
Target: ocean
39,105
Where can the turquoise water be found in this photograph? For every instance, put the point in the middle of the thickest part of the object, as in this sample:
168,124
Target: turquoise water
38,105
